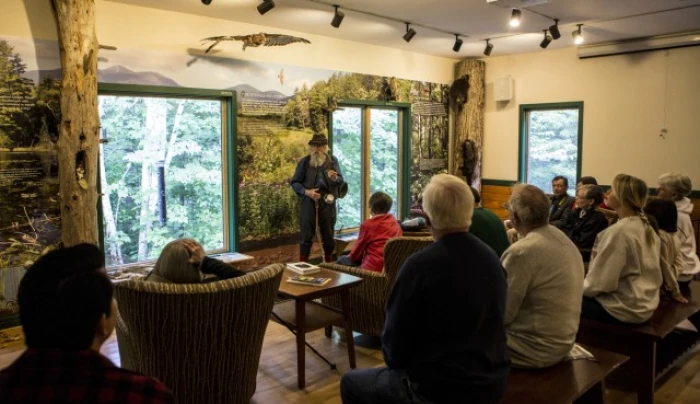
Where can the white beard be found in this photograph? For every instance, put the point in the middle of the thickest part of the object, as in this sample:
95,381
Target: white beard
317,159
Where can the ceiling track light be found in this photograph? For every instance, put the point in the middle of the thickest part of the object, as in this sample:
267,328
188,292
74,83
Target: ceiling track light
337,18
546,41
266,6
578,35
488,49
515,18
458,43
206,2
554,30
410,33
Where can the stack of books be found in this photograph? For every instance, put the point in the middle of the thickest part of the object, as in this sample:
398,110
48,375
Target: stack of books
303,268
308,280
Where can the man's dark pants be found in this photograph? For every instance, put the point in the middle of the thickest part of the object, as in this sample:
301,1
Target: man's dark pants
379,385
326,219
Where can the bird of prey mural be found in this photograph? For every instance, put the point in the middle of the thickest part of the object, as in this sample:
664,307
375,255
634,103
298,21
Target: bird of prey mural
255,40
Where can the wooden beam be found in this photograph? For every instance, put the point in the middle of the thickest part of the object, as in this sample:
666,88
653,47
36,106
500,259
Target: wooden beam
78,140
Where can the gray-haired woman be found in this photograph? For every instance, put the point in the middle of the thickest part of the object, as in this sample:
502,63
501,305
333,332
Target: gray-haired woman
184,261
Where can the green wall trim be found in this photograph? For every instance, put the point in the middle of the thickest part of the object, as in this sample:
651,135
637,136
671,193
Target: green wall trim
522,138
121,89
500,183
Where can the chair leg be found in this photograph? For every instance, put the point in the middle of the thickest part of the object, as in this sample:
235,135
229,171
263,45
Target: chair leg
329,331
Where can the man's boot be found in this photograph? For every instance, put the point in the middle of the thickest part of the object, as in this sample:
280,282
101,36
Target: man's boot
303,258
328,258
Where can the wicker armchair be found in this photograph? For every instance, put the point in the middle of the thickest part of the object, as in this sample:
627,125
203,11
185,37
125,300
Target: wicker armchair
202,340
368,299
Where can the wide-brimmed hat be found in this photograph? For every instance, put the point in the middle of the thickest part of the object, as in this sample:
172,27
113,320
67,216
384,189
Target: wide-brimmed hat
319,139
343,190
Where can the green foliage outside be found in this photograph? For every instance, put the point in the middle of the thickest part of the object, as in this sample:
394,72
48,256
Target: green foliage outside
184,135
552,147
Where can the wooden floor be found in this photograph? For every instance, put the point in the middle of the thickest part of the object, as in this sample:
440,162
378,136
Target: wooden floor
277,378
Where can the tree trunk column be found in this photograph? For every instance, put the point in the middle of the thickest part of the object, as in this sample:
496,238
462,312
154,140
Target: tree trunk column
469,120
78,140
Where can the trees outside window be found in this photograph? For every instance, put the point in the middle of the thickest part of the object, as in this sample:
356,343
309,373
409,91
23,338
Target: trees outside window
162,174
550,143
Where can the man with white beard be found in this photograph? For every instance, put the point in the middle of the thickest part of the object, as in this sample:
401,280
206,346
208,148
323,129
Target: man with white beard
317,182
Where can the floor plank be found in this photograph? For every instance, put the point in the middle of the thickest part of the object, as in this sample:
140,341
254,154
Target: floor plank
277,377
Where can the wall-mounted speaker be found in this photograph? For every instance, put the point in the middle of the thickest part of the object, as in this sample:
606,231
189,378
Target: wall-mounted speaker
503,89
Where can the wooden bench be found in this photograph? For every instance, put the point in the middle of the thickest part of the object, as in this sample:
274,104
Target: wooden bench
579,381
342,241
640,342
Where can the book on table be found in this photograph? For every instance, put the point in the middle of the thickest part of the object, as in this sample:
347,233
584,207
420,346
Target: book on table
303,268
308,280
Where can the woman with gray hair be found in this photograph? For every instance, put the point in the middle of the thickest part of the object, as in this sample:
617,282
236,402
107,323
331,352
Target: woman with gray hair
545,278
184,261
676,187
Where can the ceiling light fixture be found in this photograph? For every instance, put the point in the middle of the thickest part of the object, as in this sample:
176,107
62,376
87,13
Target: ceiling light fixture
266,6
206,2
458,43
410,33
554,30
546,41
337,18
488,49
515,18
578,35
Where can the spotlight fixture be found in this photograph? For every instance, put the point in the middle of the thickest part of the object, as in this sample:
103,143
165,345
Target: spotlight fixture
206,2
515,18
266,6
488,49
554,30
578,35
410,33
545,42
337,18
458,43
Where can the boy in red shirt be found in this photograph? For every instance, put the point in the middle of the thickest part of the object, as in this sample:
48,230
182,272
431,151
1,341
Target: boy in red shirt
368,252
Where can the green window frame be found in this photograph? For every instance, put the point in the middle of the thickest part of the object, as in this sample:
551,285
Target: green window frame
404,177
229,164
523,143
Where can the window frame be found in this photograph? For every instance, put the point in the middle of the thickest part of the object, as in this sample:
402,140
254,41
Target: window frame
228,147
524,135
404,158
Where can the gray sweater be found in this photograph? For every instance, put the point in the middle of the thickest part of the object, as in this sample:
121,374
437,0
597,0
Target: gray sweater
625,274
545,279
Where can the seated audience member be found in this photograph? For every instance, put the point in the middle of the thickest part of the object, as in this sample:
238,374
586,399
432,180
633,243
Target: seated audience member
666,216
545,278
487,226
676,187
561,203
67,312
184,261
585,222
444,339
368,251
624,276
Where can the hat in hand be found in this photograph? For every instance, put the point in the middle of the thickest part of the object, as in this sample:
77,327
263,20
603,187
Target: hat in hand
319,139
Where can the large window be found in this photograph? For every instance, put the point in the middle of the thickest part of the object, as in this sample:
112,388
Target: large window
163,172
550,143
368,142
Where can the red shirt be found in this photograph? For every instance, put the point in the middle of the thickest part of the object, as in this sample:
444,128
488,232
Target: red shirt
370,244
56,376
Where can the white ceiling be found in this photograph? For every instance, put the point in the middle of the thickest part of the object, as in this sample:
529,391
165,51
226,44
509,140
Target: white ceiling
604,20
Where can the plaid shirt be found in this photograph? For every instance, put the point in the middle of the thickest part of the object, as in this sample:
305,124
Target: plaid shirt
76,377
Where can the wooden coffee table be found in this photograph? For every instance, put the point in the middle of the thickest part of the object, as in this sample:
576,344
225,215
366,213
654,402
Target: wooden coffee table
303,315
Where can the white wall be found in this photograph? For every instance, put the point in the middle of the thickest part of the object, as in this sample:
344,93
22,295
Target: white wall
129,26
624,102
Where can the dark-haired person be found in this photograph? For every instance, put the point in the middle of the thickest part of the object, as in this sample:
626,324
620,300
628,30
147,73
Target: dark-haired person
368,251
184,261
487,226
317,181
561,202
67,312
585,222
666,215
